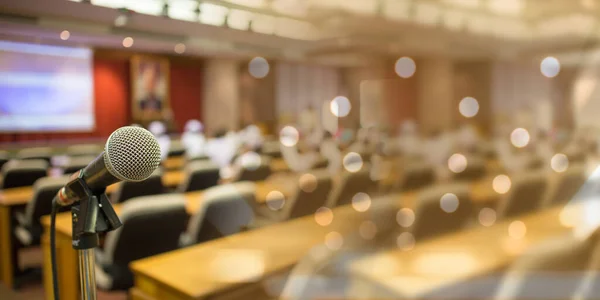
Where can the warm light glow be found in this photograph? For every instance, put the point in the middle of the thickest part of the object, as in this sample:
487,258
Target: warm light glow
334,240
275,200
501,184
64,35
405,241
519,137
550,67
179,48
361,202
367,230
289,136
308,183
457,163
127,42
449,203
559,163
352,162
517,230
405,67
405,217
455,263
468,107
234,266
487,217
340,106
324,216
258,67
568,217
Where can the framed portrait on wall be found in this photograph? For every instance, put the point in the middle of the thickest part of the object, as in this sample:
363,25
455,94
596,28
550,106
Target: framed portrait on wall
150,89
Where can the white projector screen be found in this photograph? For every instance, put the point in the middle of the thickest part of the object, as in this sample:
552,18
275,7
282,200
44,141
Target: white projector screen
45,88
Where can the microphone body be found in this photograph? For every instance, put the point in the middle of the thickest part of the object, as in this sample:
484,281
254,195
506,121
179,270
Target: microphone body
130,154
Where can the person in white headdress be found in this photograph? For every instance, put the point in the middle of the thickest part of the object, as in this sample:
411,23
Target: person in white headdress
251,136
467,138
221,149
159,130
437,149
193,139
409,142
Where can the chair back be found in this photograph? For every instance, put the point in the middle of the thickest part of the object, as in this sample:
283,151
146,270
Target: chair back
4,158
130,189
176,149
151,225
225,211
415,176
17,173
77,163
306,202
44,153
525,196
44,190
475,169
200,175
84,150
257,173
566,185
350,185
442,209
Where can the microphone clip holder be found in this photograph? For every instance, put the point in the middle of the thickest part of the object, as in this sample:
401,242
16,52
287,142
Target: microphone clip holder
91,214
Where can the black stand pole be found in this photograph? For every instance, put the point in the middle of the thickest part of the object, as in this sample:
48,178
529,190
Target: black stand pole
92,214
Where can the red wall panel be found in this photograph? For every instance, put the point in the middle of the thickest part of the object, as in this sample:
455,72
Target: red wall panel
185,93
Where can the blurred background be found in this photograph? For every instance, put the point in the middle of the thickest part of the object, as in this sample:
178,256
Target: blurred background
332,149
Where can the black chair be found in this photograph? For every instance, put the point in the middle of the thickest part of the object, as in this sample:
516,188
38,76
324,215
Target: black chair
176,148
77,163
130,189
526,195
44,153
151,225
18,173
225,211
200,175
430,217
475,169
350,185
271,149
304,202
415,176
29,229
4,158
256,173
83,150
566,185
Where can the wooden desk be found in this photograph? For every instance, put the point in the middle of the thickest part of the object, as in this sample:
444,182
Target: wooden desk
264,252
18,197
174,163
67,256
476,253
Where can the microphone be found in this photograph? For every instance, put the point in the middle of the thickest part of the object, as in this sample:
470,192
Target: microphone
130,154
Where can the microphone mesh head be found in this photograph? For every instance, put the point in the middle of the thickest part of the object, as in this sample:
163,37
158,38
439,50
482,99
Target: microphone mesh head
131,153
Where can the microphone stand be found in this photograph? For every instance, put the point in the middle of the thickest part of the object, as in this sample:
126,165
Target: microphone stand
91,215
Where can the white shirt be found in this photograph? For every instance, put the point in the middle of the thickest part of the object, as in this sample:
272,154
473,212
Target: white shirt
221,150
194,143
164,142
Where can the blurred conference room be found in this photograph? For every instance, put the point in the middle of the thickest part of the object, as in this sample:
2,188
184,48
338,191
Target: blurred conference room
299,149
